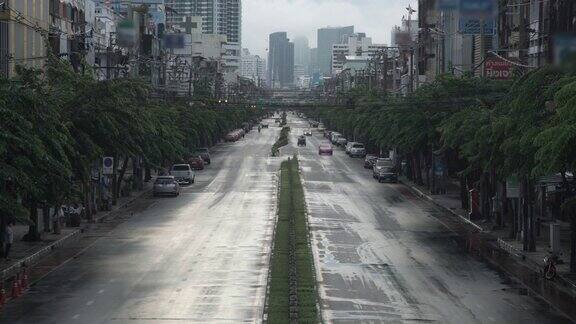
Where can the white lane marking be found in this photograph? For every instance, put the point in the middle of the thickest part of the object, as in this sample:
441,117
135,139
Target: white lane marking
100,291
89,303
76,316
492,319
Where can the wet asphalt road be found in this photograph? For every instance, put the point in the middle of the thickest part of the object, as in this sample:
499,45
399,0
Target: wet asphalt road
201,257
381,254
383,257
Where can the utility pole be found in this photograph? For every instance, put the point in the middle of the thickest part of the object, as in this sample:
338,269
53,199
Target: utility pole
410,12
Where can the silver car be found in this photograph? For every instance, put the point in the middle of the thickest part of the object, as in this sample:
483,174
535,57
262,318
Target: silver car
166,185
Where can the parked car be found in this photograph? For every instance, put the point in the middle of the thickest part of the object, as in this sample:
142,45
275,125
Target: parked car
165,185
204,153
183,173
264,125
341,141
314,124
301,140
325,149
334,137
369,161
384,171
357,150
327,134
234,135
348,147
307,132
196,163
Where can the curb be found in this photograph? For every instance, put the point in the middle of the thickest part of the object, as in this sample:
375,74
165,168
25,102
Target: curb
35,257
428,197
268,274
560,294
103,217
32,259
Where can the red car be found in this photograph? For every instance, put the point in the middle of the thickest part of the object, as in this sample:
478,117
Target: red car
325,149
196,163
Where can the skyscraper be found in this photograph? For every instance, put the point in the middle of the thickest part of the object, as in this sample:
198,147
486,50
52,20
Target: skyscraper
280,61
302,53
327,37
222,17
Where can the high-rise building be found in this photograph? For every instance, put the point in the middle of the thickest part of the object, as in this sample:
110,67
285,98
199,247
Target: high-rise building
302,53
222,17
327,37
253,67
357,45
280,61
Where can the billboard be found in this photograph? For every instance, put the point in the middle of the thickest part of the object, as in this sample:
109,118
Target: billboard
564,47
174,40
497,69
477,17
126,33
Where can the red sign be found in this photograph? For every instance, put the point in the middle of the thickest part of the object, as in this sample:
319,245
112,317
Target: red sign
497,69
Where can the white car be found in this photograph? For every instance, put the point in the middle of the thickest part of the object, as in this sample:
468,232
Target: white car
357,149
183,173
349,146
341,141
307,132
165,185
334,136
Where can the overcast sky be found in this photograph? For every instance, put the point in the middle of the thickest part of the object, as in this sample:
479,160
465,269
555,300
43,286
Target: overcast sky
303,17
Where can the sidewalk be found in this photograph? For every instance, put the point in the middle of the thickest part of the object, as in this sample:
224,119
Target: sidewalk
26,254
498,249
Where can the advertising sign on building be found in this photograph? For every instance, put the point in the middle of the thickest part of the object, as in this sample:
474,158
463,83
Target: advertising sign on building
477,17
564,47
174,40
497,69
447,4
126,33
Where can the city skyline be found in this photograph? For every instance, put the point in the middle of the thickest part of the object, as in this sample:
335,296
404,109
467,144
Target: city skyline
303,18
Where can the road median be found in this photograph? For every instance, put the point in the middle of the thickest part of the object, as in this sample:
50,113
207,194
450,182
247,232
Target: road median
292,294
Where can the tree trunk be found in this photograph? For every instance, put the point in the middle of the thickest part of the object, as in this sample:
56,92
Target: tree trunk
485,195
503,208
121,176
114,182
33,232
463,192
46,218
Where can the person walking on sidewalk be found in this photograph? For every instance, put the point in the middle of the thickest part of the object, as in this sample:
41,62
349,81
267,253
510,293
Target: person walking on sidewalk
8,238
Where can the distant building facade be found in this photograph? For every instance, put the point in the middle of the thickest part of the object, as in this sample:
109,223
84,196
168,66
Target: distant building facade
327,37
357,45
302,53
280,61
22,43
222,17
253,67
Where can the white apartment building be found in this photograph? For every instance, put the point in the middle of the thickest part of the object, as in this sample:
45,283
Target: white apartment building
253,67
357,45
223,17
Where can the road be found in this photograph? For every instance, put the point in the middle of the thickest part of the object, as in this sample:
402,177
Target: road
384,256
201,257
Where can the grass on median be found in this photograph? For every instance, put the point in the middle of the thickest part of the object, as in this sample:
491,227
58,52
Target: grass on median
282,141
292,207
